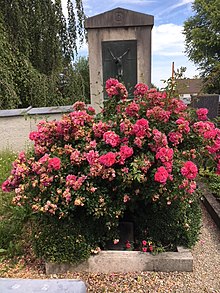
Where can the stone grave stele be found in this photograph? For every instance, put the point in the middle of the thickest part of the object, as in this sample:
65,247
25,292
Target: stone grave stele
119,43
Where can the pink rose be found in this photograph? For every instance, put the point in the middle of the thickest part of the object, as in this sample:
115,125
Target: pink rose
189,170
144,242
161,175
202,113
6,186
141,128
110,137
132,109
128,245
34,135
140,89
125,152
108,159
54,163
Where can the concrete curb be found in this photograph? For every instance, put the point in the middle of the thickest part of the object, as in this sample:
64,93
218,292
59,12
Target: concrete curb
211,204
129,261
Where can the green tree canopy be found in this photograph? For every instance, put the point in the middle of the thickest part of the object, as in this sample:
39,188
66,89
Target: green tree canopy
37,44
202,32
40,31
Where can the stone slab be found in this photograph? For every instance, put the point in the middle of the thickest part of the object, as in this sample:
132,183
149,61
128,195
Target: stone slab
129,261
37,286
211,204
36,111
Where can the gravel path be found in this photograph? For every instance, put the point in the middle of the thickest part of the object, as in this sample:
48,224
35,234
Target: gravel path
204,278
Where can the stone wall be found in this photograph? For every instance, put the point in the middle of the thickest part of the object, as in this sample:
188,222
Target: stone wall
16,124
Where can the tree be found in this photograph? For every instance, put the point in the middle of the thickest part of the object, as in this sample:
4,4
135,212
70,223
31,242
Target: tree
202,32
40,31
36,44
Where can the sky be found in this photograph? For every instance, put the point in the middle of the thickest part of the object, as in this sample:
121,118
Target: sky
167,38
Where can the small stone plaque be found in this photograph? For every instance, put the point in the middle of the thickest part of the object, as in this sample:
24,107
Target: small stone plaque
40,286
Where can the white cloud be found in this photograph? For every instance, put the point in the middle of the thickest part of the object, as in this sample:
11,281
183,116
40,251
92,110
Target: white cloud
162,68
168,47
173,7
181,3
168,40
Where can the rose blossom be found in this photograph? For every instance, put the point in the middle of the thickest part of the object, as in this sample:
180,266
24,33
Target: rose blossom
108,159
175,137
165,154
189,170
141,128
183,125
161,175
144,242
202,113
140,89
125,152
115,88
132,109
110,137
126,198
6,186
54,163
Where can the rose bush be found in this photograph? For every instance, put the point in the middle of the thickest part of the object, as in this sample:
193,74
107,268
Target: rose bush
138,157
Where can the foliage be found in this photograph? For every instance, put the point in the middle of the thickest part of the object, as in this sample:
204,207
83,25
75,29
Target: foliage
73,238
13,218
172,225
136,159
36,45
212,180
74,83
202,41
39,30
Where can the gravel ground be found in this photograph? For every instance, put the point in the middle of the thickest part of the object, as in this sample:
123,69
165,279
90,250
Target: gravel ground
204,278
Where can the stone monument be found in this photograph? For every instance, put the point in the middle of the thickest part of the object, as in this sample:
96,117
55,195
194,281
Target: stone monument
119,47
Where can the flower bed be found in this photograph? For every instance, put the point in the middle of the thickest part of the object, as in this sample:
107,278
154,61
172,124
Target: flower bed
136,160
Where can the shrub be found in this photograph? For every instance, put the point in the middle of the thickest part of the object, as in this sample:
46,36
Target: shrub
137,158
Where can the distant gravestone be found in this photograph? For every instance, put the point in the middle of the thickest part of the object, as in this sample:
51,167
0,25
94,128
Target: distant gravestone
119,47
211,102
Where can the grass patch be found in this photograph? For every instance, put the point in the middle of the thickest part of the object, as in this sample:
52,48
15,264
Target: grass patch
212,180
6,159
12,218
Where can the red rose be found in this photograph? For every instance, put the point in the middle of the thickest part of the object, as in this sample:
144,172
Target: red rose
128,245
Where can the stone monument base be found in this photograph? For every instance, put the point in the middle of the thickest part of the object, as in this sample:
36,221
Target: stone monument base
129,261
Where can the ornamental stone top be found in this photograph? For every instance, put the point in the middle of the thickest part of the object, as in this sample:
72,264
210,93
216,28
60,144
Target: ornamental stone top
119,17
